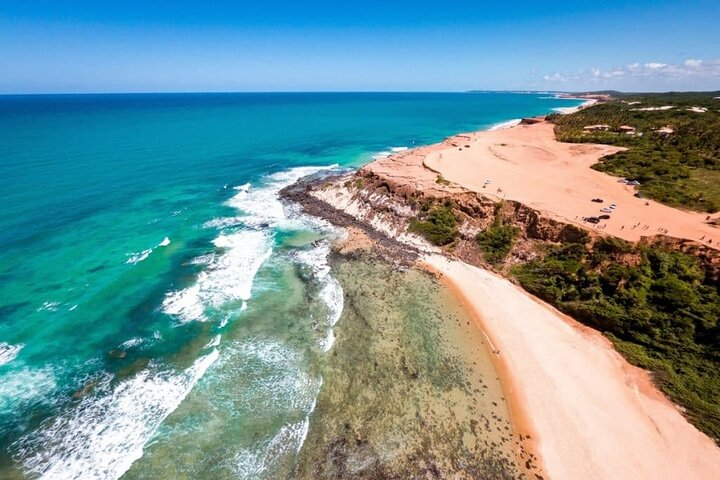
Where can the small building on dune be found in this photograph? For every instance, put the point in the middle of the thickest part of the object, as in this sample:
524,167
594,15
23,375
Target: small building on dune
596,128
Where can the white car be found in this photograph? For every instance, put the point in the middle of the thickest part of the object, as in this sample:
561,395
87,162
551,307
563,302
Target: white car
606,210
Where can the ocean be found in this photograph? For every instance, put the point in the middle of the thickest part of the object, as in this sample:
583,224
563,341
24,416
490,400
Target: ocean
162,313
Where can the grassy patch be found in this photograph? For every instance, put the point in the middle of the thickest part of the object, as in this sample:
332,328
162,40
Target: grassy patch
438,224
497,241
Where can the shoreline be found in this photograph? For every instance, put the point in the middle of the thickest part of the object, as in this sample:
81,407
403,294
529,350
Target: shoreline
522,424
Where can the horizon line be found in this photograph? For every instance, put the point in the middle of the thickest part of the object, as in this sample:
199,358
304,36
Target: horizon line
270,92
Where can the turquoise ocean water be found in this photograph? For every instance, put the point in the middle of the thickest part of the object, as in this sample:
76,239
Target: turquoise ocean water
160,309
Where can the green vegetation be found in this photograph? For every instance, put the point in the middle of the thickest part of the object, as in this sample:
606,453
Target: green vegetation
438,224
496,241
681,168
657,306
441,180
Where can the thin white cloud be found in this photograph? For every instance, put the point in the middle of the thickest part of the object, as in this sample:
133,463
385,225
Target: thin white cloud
555,77
655,65
689,69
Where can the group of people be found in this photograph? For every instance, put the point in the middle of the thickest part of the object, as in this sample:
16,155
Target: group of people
647,227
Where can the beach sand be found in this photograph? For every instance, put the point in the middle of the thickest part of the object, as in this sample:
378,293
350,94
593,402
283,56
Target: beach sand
525,163
597,416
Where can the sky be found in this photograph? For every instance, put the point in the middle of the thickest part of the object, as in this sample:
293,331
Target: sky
60,46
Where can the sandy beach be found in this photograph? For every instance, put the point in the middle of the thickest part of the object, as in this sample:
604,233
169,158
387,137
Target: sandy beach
525,163
592,415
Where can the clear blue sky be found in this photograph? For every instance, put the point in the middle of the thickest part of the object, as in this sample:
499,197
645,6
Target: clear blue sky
403,45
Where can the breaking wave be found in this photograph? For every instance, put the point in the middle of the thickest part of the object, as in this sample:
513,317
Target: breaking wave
106,432
244,244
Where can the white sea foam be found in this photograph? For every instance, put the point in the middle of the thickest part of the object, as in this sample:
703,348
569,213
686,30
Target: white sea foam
214,342
223,222
504,125
25,386
102,436
331,292
565,110
49,306
275,384
8,352
261,207
254,464
306,426
387,153
203,259
138,257
229,277
133,342
273,377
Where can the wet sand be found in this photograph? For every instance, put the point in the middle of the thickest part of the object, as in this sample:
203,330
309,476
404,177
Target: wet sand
409,390
597,416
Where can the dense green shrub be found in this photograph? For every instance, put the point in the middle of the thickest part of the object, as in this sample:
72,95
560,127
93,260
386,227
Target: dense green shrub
496,242
438,225
659,309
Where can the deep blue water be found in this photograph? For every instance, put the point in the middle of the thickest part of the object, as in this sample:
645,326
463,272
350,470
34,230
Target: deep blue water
148,272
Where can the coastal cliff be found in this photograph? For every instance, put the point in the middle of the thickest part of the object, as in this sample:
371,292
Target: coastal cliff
384,206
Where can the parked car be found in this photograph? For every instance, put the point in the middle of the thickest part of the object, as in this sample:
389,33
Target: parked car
613,206
592,219
598,200
606,210
604,217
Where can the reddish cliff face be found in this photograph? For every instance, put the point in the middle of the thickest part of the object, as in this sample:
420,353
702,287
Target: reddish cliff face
384,203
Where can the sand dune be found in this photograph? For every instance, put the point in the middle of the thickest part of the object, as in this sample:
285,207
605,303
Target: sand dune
526,163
